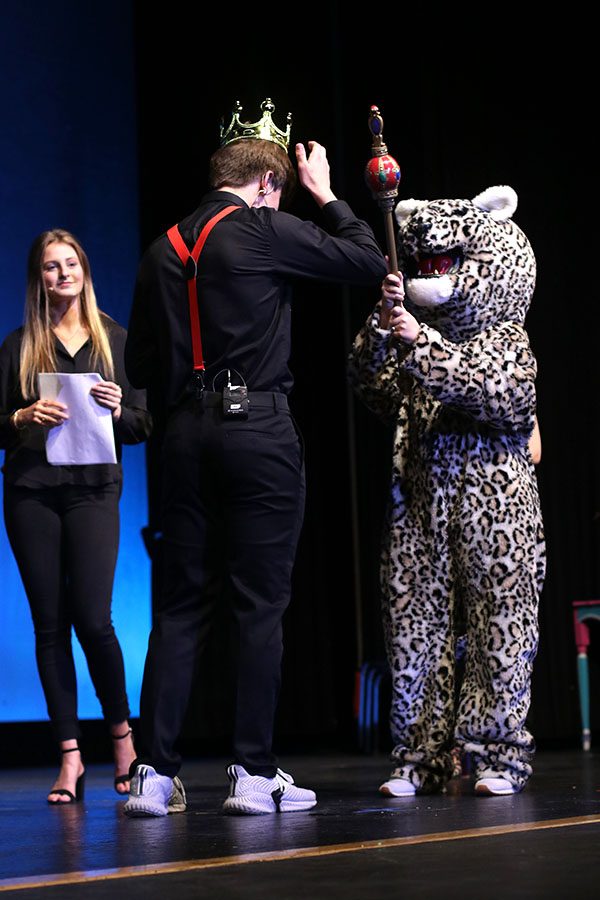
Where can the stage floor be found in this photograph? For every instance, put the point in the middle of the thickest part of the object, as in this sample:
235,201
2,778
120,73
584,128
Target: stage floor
543,843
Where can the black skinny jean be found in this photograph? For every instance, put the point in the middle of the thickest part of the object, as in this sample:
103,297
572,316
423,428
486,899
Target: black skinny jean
65,541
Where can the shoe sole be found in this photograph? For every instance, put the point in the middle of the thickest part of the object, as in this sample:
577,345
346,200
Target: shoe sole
244,806
143,810
482,790
387,792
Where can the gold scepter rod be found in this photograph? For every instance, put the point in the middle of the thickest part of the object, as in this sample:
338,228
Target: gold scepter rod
382,175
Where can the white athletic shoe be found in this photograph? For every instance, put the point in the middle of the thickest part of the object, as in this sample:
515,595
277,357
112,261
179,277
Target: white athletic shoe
152,794
396,786
497,787
254,795
177,801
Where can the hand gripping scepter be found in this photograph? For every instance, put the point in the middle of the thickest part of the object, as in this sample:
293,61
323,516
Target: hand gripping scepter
382,175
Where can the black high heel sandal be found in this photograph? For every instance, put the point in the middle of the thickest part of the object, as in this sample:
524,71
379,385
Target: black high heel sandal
63,792
121,779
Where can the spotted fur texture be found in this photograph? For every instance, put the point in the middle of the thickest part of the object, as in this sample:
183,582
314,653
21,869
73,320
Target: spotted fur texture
463,547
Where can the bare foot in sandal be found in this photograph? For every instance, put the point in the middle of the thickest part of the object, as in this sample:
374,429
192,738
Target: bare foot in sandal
69,785
124,753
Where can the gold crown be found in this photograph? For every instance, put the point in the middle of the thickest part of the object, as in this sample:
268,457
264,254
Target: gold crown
264,130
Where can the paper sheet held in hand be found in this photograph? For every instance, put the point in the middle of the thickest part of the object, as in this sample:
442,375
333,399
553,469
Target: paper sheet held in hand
87,437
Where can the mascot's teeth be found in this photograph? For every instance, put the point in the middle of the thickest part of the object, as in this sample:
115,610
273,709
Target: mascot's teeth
436,264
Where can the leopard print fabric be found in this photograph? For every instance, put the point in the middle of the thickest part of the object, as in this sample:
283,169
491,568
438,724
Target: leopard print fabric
463,537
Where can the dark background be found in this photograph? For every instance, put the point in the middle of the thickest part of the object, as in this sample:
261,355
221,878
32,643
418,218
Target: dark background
463,110
465,106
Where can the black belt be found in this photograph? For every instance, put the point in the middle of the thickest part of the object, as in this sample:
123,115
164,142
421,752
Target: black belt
273,399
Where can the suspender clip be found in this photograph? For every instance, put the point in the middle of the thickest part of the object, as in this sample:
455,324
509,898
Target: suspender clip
198,384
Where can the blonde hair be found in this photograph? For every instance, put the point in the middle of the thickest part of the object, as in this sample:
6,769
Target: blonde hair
37,347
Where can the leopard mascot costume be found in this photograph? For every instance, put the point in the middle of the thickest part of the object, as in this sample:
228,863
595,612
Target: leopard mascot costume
463,537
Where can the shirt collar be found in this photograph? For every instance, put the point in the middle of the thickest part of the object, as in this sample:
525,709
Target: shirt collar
224,197
60,347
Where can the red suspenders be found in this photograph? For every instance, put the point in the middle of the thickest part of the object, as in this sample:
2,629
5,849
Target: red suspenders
190,264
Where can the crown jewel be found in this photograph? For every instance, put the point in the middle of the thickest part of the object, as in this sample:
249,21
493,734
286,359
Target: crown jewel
265,129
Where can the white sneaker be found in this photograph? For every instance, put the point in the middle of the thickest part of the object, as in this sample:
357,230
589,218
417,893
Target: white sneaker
255,795
396,786
177,801
152,794
497,787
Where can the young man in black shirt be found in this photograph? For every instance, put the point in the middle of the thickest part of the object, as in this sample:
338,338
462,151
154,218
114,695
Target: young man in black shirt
232,465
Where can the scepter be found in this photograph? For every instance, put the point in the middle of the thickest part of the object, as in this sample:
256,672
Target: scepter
382,175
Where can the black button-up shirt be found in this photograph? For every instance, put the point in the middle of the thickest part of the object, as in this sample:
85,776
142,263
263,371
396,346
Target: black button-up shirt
25,461
245,276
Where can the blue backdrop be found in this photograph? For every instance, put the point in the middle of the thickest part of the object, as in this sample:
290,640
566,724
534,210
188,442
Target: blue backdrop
68,158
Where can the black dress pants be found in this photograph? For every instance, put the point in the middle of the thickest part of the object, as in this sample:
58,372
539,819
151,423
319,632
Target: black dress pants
65,541
233,505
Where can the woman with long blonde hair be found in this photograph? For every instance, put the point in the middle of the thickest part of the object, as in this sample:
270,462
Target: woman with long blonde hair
62,521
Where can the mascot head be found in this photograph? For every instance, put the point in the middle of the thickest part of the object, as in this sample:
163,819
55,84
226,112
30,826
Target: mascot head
466,264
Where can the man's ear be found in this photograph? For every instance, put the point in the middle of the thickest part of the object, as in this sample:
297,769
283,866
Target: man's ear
266,182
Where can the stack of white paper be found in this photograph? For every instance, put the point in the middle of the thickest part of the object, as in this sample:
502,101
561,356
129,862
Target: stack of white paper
87,437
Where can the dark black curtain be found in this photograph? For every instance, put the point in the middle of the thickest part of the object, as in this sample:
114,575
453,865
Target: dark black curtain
465,106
